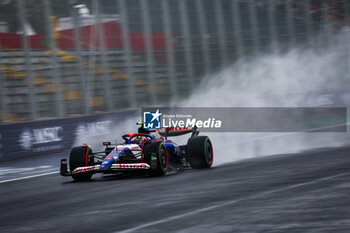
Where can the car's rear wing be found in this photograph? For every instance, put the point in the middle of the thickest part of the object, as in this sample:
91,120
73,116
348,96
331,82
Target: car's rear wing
177,131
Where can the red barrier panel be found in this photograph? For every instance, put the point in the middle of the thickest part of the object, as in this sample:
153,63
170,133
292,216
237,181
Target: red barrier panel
89,39
10,41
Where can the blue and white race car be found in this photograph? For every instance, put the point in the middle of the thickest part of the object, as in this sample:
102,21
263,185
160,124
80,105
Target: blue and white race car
148,150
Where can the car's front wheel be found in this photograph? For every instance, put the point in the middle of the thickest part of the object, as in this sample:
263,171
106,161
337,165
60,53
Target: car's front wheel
80,157
156,155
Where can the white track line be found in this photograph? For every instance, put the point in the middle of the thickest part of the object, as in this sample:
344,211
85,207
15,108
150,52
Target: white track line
276,134
137,228
28,177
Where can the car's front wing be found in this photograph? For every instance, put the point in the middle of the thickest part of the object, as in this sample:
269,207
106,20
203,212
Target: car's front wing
97,169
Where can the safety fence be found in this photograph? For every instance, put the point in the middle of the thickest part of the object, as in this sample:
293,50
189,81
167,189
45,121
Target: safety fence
76,57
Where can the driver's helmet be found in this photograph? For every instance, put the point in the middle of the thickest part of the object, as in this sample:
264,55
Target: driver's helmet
139,139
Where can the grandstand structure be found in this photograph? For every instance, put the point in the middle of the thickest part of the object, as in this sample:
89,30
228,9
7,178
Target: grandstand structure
70,57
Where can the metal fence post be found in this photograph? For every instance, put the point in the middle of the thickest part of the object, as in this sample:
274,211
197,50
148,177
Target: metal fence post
187,42
102,53
347,12
123,12
272,26
347,33
149,50
326,23
80,60
60,110
221,33
204,36
169,46
4,112
290,22
256,39
237,29
309,26
31,87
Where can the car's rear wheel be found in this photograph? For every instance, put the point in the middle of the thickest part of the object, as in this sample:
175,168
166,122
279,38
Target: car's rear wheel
79,157
156,155
200,152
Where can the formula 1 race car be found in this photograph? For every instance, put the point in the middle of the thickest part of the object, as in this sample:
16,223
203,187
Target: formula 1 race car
148,150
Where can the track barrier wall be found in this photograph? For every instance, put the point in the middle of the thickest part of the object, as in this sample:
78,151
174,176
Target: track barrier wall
26,139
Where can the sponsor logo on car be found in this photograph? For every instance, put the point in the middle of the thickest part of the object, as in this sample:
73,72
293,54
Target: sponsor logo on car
84,169
158,140
131,166
130,147
172,129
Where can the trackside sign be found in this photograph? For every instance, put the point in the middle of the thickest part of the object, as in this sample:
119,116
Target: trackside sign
47,137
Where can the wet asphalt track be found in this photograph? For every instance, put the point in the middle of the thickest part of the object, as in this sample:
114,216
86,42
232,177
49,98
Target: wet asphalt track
308,192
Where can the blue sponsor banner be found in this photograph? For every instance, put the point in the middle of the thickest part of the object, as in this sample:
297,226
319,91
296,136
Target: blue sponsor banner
20,140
